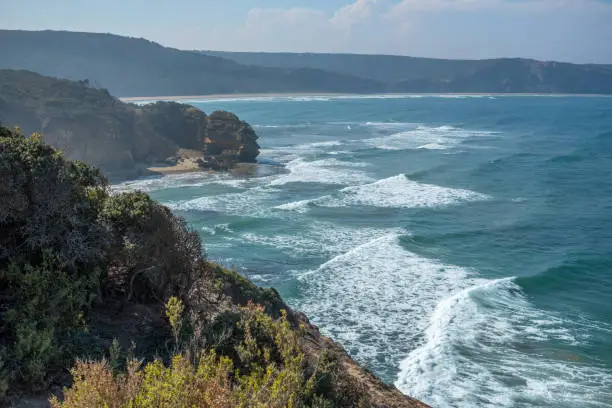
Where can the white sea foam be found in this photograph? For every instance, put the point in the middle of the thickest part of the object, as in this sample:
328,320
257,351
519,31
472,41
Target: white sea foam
433,146
301,206
320,239
419,137
160,183
247,203
320,144
376,293
289,153
483,348
327,171
186,180
393,192
393,125
217,229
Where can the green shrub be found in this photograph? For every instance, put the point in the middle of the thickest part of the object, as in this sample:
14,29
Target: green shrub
270,375
242,291
46,305
47,202
154,254
52,252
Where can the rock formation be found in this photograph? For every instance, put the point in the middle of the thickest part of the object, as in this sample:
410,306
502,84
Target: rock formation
122,139
228,141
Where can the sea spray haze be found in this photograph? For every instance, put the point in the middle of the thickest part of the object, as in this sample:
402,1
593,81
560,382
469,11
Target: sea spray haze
460,247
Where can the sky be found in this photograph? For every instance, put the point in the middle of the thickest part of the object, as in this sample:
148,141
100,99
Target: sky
563,30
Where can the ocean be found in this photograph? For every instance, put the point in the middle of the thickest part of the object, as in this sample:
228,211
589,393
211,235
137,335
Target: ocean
460,247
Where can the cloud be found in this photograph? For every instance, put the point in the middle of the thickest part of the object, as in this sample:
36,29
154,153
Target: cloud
574,30
295,17
475,5
297,29
352,14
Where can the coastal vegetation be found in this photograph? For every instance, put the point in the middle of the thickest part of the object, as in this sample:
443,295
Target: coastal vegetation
108,300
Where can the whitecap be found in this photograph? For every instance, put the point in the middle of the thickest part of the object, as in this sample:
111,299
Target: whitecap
247,203
216,229
393,192
374,294
392,125
442,137
483,347
186,180
433,146
327,171
149,184
289,153
300,206
320,239
401,192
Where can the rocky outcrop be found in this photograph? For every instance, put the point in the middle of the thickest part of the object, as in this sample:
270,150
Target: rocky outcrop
122,139
182,124
228,141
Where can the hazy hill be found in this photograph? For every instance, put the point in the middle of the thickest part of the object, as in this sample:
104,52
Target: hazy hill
410,74
137,67
384,68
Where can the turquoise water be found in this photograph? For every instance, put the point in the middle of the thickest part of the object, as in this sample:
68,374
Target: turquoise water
459,247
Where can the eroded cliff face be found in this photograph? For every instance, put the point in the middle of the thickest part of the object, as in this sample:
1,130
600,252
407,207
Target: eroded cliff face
228,141
182,124
122,139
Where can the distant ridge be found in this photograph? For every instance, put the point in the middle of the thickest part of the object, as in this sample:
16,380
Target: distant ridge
413,74
138,67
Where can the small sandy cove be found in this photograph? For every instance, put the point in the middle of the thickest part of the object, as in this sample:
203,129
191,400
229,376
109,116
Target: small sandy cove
188,163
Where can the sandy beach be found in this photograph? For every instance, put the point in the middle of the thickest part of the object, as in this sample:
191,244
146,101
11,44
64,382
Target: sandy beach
231,96
187,162
175,98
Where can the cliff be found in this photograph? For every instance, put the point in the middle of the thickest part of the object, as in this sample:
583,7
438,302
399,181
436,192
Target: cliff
229,140
87,275
90,125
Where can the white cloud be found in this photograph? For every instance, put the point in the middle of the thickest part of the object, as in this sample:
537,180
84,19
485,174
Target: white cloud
474,5
354,13
575,30
295,17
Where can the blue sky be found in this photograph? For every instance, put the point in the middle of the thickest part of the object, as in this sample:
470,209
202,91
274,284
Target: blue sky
566,30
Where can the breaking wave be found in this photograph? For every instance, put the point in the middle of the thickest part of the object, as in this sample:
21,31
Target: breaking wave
393,192
485,346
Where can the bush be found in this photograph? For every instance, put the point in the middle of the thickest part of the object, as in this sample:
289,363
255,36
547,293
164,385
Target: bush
52,252
269,375
47,202
154,254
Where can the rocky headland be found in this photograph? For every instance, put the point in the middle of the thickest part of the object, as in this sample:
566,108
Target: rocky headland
124,140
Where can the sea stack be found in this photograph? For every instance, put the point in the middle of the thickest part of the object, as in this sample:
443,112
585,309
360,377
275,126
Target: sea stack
228,141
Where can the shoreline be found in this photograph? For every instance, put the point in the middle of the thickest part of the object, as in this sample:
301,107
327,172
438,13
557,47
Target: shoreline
189,165
220,97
